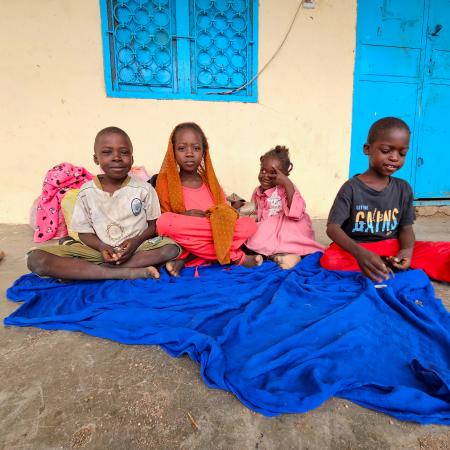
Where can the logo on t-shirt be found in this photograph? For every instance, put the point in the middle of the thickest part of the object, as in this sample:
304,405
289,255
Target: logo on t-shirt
375,221
136,206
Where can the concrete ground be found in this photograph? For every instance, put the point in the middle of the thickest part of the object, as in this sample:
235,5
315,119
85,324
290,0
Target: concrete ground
62,390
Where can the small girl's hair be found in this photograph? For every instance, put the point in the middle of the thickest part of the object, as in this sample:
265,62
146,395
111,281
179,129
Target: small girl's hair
281,153
192,126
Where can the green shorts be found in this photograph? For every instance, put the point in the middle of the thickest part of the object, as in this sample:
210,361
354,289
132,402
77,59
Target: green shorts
76,249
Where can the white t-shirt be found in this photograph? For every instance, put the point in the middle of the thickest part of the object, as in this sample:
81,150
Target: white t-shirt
118,216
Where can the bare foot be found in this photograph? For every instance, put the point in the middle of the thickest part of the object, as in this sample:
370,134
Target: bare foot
287,261
142,272
175,267
251,261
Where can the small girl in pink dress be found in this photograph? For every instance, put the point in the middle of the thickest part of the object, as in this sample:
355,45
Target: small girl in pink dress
284,230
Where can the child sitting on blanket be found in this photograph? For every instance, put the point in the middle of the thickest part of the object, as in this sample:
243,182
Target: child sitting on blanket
195,212
371,219
115,218
284,229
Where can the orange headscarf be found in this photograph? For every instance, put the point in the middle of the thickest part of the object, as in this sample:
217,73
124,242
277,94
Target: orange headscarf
222,216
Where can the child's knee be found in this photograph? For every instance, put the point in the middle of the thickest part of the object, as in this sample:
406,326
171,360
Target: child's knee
246,226
334,258
326,262
37,262
163,224
169,251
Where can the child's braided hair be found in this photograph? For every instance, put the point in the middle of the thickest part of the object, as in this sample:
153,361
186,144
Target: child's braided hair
281,153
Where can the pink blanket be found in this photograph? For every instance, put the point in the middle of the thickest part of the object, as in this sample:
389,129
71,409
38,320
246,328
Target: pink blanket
49,219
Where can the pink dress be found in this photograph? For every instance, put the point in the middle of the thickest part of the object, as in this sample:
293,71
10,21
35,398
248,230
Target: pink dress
197,198
281,229
194,234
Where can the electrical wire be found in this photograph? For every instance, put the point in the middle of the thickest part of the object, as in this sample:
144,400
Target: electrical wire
263,68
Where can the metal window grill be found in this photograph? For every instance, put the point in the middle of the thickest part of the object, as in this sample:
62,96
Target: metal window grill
223,43
140,43
198,49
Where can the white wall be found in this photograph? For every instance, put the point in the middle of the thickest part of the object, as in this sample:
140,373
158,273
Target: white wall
54,101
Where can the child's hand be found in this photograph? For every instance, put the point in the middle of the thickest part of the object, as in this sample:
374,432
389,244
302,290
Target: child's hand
109,255
195,213
279,177
372,265
127,249
400,262
237,204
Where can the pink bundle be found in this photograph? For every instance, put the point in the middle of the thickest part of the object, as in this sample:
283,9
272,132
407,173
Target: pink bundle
49,219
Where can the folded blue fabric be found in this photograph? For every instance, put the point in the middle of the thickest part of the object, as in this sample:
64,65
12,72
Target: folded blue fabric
281,341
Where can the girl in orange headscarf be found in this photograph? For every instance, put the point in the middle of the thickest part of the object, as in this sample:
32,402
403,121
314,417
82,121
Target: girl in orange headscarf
195,212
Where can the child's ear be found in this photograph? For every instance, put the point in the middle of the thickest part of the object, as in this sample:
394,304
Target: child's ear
366,148
96,159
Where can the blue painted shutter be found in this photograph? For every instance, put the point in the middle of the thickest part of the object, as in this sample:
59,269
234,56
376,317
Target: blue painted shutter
195,49
140,44
223,56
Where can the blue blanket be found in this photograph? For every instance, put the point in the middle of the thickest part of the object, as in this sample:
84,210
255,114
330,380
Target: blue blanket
281,341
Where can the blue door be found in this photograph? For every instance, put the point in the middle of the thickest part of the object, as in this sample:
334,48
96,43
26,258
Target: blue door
402,69
433,155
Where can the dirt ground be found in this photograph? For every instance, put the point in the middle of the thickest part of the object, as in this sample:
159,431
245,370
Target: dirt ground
63,390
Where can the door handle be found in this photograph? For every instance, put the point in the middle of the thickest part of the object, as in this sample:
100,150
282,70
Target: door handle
419,161
437,30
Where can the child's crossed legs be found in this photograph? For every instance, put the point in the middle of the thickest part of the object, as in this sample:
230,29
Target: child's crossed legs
80,262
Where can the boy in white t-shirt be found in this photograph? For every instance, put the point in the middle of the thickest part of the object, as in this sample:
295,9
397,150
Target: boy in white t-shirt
115,218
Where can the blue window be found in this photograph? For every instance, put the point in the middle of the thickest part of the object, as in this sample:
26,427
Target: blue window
180,49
